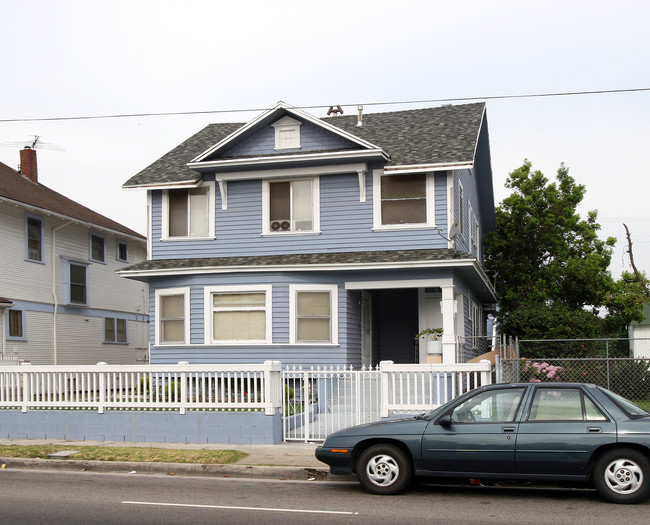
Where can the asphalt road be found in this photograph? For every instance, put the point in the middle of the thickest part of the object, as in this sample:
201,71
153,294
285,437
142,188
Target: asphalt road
33,497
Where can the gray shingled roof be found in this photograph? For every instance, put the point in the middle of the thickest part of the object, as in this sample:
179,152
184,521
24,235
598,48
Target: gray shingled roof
446,134
303,260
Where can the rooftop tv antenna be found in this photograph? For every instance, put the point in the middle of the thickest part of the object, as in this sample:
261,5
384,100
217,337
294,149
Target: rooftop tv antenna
36,143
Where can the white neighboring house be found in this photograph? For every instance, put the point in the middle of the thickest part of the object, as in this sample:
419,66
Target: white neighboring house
639,333
62,300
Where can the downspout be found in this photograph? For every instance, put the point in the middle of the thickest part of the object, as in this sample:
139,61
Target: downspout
54,296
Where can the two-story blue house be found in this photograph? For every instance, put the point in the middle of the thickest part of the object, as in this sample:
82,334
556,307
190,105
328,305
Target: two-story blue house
320,241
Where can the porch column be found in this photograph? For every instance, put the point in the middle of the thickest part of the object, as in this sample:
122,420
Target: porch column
448,325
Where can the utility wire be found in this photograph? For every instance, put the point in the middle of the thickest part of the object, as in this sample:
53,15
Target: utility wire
323,106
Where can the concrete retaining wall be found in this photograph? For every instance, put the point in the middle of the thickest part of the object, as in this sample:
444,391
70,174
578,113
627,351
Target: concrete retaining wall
242,428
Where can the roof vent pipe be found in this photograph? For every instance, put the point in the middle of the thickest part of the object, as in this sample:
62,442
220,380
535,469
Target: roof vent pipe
359,116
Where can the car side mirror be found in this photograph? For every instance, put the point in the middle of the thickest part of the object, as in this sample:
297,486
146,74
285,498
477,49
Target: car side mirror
445,420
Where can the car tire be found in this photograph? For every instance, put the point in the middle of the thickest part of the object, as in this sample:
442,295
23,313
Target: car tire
384,469
622,476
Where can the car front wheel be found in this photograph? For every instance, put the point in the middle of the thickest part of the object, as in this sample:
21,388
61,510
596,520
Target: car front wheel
621,476
384,469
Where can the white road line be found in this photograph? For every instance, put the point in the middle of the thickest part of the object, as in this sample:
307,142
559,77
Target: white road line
228,507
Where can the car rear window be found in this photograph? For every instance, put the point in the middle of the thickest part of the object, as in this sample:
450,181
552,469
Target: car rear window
631,410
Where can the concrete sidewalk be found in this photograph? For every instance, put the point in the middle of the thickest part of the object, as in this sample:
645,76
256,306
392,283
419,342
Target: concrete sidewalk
284,461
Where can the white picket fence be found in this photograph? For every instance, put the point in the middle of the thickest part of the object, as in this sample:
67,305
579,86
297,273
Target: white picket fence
179,387
314,402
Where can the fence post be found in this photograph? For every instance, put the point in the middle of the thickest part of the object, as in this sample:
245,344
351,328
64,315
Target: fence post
102,389
26,377
272,386
498,369
384,381
183,380
486,375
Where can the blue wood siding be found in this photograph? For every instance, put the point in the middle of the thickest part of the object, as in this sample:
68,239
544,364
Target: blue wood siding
346,224
312,138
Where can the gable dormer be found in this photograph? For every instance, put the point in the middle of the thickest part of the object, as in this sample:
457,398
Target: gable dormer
287,133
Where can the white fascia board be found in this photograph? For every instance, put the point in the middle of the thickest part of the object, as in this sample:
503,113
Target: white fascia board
292,172
421,168
478,133
166,185
67,218
406,283
299,268
262,161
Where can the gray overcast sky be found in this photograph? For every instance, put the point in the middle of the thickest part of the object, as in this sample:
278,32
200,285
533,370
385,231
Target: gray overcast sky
69,58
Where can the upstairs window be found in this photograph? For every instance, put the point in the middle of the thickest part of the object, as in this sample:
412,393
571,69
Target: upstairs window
189,212
122,251
75,282
97,248
287,133
403,200
34,238
291,206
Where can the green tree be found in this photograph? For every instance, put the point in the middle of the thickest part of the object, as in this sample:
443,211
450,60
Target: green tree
551,268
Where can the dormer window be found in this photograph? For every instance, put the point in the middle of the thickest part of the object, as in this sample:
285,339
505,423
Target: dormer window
287,133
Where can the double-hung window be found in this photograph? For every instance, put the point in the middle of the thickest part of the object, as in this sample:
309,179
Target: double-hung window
172,316
115,330
16,324
238,314
313,314
75,282
403,200
122,251
34,238
291,206
97,248
189,212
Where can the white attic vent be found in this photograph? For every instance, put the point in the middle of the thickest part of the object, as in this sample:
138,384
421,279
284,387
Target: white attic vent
287,133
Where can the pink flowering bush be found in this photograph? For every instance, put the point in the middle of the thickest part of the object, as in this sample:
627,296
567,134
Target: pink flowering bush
539,372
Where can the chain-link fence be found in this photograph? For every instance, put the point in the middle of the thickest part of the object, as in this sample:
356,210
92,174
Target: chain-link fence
620,365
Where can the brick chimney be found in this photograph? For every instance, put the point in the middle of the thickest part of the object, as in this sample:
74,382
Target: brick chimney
28,164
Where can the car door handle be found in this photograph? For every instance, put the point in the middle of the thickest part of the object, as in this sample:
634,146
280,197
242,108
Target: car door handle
507,429
593,429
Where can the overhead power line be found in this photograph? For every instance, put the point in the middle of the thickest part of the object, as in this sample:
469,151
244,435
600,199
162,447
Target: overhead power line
324,106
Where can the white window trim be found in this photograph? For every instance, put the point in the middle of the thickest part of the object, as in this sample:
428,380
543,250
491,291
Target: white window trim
65,280
211,215
315,197
23,315
207,305
461,209
334,312
376,204
470,220
185,292
284,124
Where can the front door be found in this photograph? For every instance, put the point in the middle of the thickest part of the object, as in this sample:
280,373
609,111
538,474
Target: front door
480,437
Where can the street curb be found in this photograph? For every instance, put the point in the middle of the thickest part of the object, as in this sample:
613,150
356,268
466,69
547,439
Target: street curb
173,469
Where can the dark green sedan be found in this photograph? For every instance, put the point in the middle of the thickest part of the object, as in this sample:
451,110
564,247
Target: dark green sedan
543,432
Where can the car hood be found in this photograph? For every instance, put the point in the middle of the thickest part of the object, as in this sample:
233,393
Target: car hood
389,427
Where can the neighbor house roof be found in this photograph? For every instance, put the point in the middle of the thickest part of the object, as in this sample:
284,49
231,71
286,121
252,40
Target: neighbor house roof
16,188
432,136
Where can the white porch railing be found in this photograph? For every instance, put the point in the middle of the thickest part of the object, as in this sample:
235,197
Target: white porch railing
178,387
422,387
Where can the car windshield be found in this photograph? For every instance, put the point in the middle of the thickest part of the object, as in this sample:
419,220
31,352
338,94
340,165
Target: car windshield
626,405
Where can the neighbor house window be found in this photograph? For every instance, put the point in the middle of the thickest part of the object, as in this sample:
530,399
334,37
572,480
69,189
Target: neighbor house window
461,209
189,212
122,251
291,206
75,282
172,314
97,248
403,200
114,330
16,324
238,314
313,314
34,236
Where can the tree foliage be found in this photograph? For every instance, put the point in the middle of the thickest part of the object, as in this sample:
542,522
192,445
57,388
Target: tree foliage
550,266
